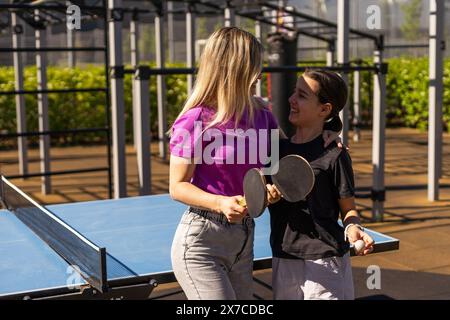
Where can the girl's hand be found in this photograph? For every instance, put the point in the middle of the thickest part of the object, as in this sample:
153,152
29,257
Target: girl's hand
354,234
273,194
330,136
261,102
229,206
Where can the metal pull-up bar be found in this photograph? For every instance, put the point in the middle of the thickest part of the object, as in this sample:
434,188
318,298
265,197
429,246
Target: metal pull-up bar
435,96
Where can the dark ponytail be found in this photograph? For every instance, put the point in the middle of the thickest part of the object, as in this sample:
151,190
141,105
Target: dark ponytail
335,124
332,90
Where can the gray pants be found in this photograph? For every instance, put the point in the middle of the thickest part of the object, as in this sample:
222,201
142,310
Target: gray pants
213,259
322,279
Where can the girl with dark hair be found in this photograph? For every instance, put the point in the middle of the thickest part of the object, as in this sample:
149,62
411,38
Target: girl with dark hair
310,248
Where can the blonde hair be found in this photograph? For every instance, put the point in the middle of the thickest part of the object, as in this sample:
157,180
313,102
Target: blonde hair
230,63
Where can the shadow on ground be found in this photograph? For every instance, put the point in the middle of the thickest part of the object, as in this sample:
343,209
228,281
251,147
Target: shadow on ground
394,284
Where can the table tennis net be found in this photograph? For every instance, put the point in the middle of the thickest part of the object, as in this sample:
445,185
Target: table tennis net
75,249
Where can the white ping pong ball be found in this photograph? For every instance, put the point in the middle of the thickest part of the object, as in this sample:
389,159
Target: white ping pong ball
359,245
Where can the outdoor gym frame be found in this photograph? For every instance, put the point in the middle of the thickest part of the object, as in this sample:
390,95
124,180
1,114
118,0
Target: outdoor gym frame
335,35
37,16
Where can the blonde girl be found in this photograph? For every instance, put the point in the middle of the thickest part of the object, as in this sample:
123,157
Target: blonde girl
212,250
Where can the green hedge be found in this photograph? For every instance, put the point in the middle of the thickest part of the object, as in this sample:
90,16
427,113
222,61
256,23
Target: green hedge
80,110
407,93
407,84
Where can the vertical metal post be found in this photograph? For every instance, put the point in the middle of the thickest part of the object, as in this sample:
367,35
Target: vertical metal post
356,105
71,58
435,97
229,16
141,80
134,50
272,16
282,52
107,96
20,98
161,86
44,140
330,54
190,44
343,18
258,35
378,138
170,31
117,99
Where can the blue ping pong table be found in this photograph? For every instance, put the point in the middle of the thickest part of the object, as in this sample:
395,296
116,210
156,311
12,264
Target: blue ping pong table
137,233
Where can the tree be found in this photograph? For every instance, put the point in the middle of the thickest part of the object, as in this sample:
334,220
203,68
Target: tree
248,25
147,43
202,30
411,22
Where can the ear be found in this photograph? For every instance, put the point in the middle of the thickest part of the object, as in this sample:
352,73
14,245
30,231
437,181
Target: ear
326,109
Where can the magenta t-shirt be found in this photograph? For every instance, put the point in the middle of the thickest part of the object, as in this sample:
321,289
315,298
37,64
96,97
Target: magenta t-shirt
223,154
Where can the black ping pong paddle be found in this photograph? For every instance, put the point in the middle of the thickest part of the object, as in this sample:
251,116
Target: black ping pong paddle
294,180
255,192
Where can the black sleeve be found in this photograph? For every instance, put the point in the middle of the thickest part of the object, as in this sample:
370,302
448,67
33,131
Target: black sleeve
283,151
335,124
343,176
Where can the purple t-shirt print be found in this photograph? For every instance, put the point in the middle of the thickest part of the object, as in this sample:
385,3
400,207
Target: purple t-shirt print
222,154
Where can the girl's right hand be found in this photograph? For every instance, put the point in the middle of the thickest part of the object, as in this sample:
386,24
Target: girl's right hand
230,207
273,194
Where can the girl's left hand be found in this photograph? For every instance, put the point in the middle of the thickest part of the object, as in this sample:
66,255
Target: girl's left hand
354,234
330,136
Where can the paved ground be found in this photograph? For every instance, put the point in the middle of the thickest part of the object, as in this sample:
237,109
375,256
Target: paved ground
419,270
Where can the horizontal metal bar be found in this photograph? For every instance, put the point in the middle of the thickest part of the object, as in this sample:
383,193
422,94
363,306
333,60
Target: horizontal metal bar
311,48
316,27
206,3
129,71
81,292
401,46
172,71
90,10
51,132
175,71
165,71
303,68
357,62
52,49
363,195
368,189
137,10
311,61
53,91
298,30
198,12
318,20
57,173
47,7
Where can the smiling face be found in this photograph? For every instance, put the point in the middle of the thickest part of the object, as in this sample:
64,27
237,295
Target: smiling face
306,109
